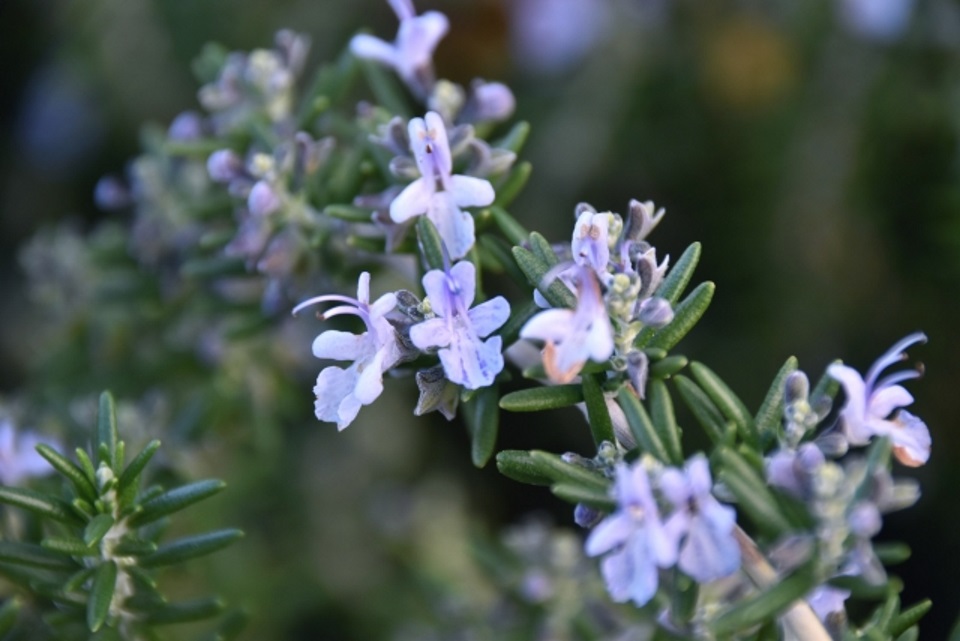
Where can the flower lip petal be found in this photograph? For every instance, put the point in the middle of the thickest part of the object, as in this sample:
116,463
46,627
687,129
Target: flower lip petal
370,47
414,200
489,316
470,191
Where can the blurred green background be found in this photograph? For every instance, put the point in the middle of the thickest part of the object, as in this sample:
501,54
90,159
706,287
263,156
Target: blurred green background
812,147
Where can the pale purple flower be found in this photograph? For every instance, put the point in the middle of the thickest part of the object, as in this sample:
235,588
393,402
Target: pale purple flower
591,241
871,402
883,20
573,336
342,392
263,199
633,539
458,331
488,102
709,550
437,193
794,471
411,54
19,459
827,601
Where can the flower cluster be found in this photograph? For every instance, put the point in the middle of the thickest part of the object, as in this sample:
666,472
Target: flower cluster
693,530
615,275
847,496
399,328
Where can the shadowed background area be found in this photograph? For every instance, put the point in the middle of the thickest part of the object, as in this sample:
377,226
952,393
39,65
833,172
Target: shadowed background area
812,148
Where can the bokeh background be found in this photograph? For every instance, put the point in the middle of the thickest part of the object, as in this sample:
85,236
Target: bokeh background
812,147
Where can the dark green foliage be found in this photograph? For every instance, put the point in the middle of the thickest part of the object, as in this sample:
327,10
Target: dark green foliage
94,572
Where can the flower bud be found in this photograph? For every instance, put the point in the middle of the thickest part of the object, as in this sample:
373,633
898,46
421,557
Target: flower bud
187,126
586,516
111,194
263,200
489,101
224,165
655,312
796,387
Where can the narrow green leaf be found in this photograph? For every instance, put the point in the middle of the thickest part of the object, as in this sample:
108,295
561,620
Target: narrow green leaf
667,367
132,546
680,274
482,415
542,249
686,315
588,496
515,138
79,578
190,547
69,545
673,285
231,626
597,413
40,504
664,419
328,85
195,610
684,597
513,184
8,614
97,528
512,230
87,466
883,615
701,407
556,293
726,401
765,605
83,509
175,500
753,496
562,472
909,617
349,213
770,414
497,250
70,470
101,594
385,88
537,399
910,634
34,556
892,553
520,466
826,388
107,428
431,244
132,473
648,439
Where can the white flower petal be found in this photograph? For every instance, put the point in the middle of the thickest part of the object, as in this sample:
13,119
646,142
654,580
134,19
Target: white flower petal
549,325
487,317
369,47
431,333
341,346
468,191
884,401
414,200
464,275
609,533
333,385
454,226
